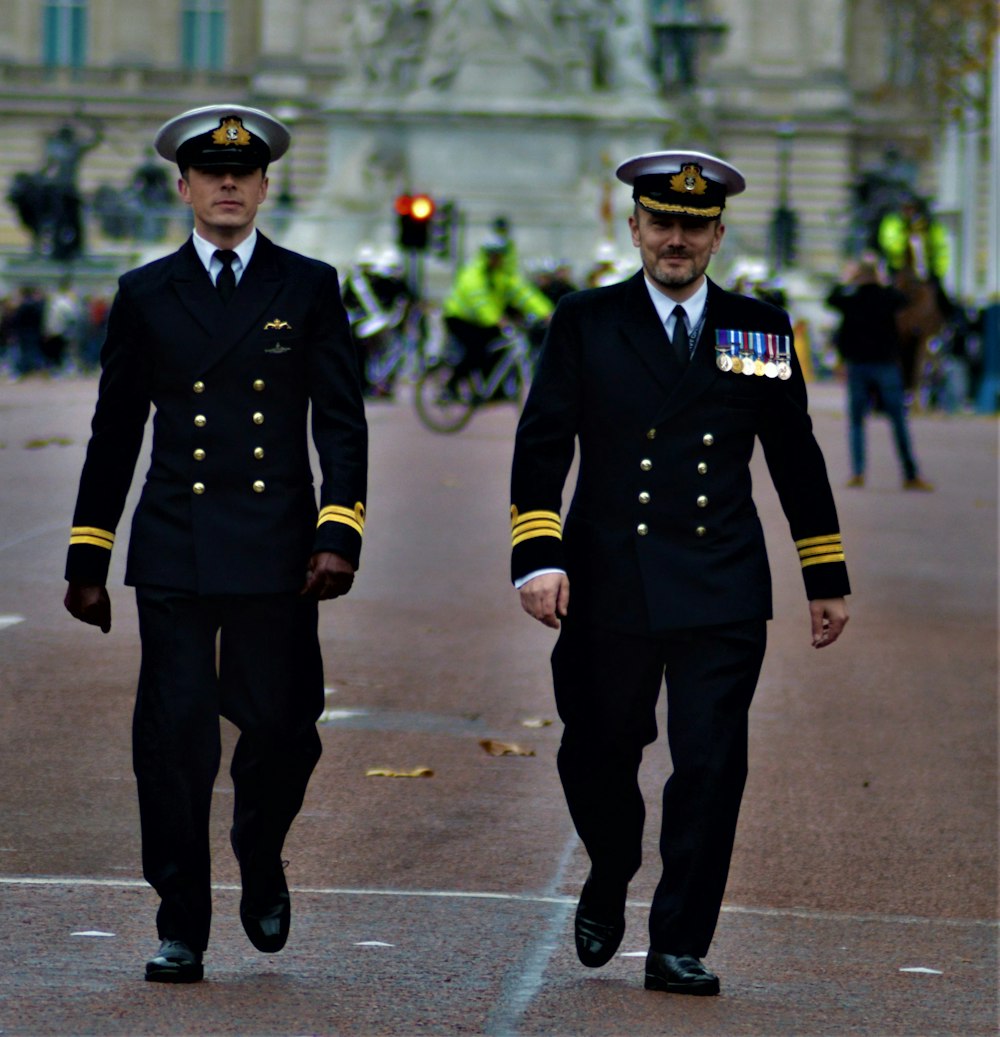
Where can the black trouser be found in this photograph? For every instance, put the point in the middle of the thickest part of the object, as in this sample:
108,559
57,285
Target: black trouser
606,686
474,339
266,676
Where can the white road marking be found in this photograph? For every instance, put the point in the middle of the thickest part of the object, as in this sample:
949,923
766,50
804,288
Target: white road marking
54,527
9,621
340,714
529,898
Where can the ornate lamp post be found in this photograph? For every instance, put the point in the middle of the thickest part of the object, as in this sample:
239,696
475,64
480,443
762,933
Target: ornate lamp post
679,33
784,221
284,204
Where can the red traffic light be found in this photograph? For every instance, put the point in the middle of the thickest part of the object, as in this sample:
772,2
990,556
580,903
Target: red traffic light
416,207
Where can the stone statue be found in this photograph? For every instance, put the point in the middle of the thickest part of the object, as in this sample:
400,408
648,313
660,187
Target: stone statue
142,209
490,29
48,201
629,48
387,42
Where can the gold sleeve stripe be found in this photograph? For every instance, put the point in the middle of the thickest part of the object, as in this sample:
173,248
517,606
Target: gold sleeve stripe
534,524
355,518
531,516
832,538
838,556
552,525
519,538
91,535
812,552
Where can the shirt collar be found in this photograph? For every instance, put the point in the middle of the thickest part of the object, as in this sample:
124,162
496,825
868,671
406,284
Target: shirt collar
206,252
693,307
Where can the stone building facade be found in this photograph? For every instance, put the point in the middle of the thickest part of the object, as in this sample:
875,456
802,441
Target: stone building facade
510,107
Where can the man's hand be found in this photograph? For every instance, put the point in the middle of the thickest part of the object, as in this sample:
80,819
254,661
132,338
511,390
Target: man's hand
546,597
90,604
328,576
829,617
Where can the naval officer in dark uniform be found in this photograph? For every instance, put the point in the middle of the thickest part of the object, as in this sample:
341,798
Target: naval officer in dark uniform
234,341
665,381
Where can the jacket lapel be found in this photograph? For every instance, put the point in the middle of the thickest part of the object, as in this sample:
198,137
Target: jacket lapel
195,290
227,325
701,372
644,333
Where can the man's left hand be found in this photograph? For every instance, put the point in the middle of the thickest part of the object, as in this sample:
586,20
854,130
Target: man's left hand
328,576
829,617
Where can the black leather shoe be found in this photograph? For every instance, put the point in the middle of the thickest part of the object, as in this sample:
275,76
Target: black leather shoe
599,927
679,974
265,907
175,962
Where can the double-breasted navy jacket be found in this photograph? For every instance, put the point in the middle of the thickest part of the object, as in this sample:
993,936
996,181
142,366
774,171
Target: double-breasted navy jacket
228,505
662,532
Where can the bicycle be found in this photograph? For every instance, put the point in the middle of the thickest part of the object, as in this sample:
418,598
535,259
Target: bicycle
396,345
445,403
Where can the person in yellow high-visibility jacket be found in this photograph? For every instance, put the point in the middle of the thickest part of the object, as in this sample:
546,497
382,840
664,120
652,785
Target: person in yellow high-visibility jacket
487,292
911,240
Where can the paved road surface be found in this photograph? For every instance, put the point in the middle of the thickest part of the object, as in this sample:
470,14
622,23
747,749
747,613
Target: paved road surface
863,890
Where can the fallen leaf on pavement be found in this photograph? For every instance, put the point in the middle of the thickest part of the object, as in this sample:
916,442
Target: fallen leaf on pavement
386,772
495,748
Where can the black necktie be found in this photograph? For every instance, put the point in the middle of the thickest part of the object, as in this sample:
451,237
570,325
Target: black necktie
226,281
680,340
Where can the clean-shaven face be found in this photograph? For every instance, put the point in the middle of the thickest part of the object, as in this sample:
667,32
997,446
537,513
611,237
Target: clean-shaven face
224,201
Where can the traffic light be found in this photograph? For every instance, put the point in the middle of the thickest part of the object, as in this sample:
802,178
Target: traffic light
415,212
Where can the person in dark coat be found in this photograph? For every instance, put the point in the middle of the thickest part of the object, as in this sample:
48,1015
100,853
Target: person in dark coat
232,340
665,381
868,342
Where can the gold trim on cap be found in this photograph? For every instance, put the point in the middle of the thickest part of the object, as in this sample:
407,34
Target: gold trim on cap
684,210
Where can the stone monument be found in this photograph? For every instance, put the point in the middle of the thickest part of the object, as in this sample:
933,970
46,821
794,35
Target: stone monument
502,107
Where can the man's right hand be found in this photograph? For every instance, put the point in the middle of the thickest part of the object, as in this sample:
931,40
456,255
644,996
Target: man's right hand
546,597
90,604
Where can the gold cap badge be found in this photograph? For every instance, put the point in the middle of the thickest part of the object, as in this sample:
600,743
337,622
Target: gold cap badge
689,179
231,131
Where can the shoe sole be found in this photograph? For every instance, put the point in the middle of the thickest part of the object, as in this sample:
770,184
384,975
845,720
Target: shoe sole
699,988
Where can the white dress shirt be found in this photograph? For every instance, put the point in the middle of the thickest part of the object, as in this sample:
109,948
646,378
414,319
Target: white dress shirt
206,253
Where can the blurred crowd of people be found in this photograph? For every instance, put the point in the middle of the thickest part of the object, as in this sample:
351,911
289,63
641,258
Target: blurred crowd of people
53,331
59,330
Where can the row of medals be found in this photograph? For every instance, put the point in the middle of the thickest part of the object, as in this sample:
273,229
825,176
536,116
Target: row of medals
754,353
